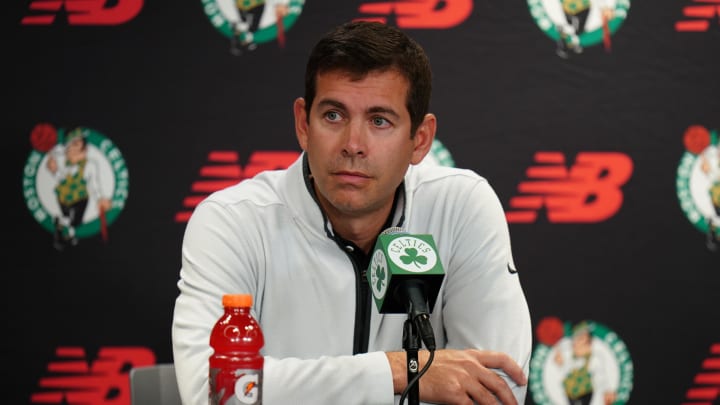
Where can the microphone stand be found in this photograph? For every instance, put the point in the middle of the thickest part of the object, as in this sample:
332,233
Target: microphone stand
411,344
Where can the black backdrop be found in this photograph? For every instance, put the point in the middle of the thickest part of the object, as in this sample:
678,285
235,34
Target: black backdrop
165,89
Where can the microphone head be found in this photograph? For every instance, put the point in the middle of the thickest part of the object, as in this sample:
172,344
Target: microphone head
393,230
400,257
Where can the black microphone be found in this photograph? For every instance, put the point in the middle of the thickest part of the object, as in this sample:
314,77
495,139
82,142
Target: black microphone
405,275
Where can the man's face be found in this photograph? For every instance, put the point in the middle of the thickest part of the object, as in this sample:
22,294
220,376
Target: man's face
358,141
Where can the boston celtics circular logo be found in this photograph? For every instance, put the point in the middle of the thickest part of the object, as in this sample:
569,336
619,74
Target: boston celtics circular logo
582,363
248,23
75,183
578,24
698,182
439,154
412,254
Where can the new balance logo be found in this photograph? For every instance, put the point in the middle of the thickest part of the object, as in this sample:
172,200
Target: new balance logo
74,381
83,12
706,385
589,191
418,14
699,15
224,170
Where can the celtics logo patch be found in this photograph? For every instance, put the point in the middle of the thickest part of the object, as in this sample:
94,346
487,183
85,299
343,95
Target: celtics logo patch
579,363
248,23
578,24
698,182
75,183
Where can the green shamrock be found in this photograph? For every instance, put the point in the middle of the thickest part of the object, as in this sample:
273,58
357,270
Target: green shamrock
413,257
380,275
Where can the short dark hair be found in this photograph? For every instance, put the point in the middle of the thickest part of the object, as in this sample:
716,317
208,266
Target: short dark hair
361,47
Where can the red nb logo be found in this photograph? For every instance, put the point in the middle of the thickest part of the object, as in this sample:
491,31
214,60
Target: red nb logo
419,13
224,170
706,385
104,381
699,16
589,191
83,12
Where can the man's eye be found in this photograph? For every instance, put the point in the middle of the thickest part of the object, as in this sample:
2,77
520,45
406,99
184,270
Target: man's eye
380,122
332,116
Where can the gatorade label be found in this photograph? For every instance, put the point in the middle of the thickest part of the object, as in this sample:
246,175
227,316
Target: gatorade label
238,387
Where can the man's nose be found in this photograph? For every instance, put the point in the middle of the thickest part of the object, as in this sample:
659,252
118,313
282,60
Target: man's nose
354,140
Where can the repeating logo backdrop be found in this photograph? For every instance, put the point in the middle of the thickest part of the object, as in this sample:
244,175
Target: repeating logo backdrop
596,122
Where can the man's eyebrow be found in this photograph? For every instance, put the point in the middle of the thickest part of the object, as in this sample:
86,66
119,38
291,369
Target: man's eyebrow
383,110
329,102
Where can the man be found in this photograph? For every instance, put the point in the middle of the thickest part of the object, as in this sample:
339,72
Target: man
299,240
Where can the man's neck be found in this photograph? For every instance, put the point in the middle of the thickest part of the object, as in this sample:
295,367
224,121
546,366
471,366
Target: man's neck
362,231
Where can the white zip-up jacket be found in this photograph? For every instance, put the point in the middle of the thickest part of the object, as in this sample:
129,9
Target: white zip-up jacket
267,237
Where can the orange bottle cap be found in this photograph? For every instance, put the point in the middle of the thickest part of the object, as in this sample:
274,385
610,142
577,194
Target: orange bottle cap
237,300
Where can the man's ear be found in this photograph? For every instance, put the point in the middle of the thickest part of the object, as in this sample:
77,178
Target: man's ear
424,136
301,122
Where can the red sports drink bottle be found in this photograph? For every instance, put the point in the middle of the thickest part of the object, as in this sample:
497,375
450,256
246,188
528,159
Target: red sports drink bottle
236,366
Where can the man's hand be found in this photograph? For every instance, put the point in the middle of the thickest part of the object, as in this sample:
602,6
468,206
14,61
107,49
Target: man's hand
459,377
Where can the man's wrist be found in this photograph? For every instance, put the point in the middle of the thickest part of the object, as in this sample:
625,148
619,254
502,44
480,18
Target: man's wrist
398,369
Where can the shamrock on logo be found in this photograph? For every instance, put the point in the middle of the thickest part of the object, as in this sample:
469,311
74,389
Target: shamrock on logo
413,257
379,276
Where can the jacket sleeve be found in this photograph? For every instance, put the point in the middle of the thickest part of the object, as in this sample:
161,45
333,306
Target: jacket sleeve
484,305
210,252
359,379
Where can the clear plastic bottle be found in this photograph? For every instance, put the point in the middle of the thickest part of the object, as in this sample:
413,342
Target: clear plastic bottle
236,365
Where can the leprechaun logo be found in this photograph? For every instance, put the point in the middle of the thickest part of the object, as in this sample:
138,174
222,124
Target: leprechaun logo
248,23
698,182
75,183
578,24
582,363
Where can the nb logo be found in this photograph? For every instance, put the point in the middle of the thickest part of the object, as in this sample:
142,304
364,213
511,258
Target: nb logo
588,192
73,380
706,389
224,170
699,16
418,14
83,12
